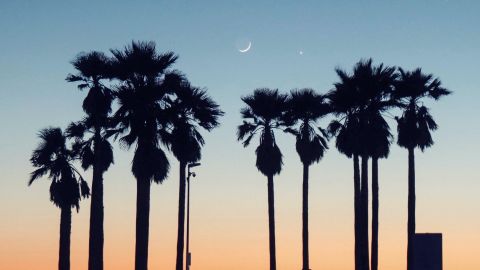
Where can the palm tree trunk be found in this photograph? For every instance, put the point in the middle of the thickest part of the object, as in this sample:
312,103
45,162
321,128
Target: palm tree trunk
374,259
95,251
356,184
306,264
364,249
142,224
65,232
411,208
271,223
181,218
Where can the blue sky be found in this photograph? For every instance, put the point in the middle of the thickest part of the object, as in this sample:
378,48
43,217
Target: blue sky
40,38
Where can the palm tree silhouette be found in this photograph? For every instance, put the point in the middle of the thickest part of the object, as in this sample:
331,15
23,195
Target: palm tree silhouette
144,83
191,109
375,86
53,158
414,128
265,112
380,140
360,100
344,102
95,151
305,109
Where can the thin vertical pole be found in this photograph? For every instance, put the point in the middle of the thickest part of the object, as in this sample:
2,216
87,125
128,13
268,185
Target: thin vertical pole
188,256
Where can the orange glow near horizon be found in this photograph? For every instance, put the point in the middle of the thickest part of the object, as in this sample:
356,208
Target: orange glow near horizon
230,233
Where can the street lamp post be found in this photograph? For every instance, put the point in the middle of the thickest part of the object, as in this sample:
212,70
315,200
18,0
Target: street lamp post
189,255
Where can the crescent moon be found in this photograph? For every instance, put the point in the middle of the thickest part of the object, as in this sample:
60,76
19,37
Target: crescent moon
246,49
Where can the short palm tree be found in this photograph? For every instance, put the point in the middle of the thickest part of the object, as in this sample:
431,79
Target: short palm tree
263,114
53,158
344,102
95,150
189,110
144,76
305,108
414,127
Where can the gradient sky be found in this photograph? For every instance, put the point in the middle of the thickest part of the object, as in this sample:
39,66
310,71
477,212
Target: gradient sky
229,204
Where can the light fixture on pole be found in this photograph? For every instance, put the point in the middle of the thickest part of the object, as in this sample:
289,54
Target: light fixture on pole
189,255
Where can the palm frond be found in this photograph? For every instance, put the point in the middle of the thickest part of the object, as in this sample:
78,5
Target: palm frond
76,130
38,173
244,129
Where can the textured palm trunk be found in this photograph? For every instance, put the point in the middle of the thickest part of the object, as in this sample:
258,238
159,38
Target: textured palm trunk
411,208
306,264
356,201
271,223
374,259
96,240
365,258
181,218
142,224
65,232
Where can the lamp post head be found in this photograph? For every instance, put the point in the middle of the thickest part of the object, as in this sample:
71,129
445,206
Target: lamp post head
191,165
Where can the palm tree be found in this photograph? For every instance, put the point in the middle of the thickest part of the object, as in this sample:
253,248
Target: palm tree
414,127
375,86
190,110
305,109
263,114
360,100
96,151
53,158
144,83
344,102
379,143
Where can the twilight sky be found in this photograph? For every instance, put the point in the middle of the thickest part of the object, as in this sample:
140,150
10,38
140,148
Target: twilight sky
229,204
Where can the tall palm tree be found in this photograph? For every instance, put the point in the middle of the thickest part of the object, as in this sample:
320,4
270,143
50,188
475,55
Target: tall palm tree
263,114
344,102
305,108
414,127
375,86
380,140
360,100
144,84
189,110
96,151
53,158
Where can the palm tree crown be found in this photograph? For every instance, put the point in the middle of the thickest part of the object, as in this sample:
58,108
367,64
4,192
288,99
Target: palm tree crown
145,81
190,109
93,67
305,108
344,103
52,157
265,112
375,84
360,100
415,124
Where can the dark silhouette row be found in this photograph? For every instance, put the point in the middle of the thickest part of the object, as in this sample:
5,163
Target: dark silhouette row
359,103
158,109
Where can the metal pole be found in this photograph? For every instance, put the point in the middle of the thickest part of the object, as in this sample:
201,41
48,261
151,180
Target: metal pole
188,255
